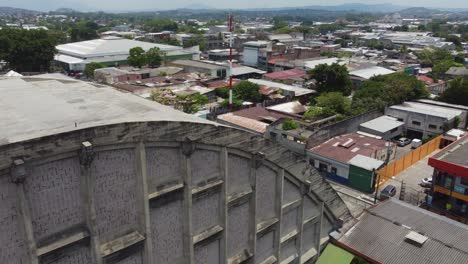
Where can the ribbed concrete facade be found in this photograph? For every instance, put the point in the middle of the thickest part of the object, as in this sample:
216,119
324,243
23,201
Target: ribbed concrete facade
162,192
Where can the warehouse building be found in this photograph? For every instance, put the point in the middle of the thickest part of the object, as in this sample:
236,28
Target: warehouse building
113,51
92,175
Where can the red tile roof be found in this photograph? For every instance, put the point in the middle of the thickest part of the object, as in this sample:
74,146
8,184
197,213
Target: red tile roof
428,80
286,75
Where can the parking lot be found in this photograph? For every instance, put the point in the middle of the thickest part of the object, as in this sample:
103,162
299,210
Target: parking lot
402,151
412,177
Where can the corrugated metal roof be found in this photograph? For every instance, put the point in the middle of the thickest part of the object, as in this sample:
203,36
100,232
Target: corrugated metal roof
380,234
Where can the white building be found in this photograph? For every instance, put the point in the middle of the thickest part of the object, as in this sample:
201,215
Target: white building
112,51
252,51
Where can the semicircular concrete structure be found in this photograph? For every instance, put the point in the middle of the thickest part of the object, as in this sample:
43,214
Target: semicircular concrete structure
160,192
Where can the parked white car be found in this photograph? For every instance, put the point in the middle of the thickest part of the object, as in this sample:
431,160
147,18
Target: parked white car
415,143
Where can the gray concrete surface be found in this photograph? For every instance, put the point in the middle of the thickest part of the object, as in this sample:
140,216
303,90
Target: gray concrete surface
412,177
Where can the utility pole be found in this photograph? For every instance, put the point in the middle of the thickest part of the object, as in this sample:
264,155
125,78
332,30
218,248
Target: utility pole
387,159
231,30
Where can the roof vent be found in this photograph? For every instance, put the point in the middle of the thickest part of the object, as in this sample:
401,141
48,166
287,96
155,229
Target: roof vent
416,238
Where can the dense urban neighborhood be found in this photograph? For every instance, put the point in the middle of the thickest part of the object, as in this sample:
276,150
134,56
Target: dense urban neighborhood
312,134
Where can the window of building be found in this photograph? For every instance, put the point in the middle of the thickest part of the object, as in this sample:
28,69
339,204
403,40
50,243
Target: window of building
334,170
431,126
394,130
416,123
400,119
464,181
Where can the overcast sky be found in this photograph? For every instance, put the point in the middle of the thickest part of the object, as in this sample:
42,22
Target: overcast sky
46,5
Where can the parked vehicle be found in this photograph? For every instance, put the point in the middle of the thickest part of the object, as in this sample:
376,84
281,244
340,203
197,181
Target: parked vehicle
387,192
403,141
415,143
426,182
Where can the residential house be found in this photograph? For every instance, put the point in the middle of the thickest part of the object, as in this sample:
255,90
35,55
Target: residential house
335,157
287,76
434,87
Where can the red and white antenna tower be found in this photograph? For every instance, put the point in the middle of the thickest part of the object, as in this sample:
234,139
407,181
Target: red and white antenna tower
231,30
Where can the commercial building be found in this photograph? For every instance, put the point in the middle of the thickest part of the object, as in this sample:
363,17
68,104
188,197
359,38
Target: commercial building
92,175
212,69
450,178
113,51
114,75
385,127
252,50
398,233
423,119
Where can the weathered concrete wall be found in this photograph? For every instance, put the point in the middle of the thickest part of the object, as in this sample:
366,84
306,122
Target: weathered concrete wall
144,193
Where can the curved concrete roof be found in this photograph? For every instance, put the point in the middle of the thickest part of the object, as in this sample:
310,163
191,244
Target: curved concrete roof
33,107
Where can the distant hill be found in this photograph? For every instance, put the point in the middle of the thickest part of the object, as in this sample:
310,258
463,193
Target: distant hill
65,10
369,8
8,11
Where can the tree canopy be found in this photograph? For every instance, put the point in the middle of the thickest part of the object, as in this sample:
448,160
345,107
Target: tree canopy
197,39
247,91
381,91
332,78
91,67
137,57
27,50
160,24
456,93
84,30
153,57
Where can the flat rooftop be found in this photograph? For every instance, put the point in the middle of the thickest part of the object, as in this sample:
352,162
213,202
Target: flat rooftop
456,153
33,107
382,124
426,109
298,91
199,64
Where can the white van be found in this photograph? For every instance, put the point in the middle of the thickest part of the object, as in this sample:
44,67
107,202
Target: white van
415,143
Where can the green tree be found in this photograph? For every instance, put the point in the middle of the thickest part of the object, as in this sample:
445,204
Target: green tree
247,91
279,22
315,112
153,57
430,57
27,50
441,67
289,125
91,67
332,78
392,89
456,93
160,24
137,57
192,103
84,30
335,101
196,40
